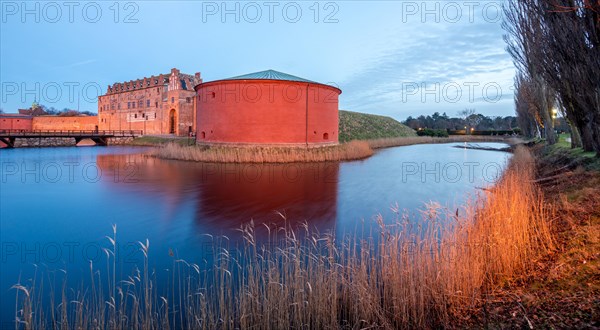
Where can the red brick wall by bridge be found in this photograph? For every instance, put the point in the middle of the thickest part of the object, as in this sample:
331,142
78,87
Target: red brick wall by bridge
15,122
58,123
267,112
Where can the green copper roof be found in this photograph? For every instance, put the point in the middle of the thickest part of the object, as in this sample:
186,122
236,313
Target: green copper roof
271,75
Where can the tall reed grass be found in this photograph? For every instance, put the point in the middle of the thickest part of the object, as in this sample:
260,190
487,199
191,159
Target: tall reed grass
409,273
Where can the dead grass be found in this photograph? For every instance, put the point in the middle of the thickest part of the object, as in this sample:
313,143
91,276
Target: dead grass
265,154
562,291
429,272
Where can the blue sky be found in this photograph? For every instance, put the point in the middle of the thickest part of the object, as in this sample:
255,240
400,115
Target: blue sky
394,58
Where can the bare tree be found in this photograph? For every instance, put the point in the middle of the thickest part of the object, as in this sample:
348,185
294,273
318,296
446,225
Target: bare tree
470,117
556,44
524,39
526,108
571,63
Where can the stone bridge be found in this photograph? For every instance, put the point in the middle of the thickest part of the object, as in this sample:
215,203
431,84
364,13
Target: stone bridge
21,138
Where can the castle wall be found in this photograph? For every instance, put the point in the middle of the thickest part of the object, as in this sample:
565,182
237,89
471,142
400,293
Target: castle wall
58,123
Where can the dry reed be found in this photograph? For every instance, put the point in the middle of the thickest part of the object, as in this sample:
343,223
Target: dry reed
265,154
411,273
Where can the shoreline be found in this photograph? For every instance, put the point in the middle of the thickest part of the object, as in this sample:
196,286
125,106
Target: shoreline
349,151
561,289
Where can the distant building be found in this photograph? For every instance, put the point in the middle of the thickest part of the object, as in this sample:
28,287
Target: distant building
35,110
267,107
162,104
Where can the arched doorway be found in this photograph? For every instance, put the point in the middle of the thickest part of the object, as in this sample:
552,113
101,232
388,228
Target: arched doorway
172,121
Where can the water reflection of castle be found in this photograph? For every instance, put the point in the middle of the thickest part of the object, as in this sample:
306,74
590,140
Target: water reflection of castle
228,195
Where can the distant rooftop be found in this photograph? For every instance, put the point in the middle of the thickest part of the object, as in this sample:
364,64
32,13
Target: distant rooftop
270,75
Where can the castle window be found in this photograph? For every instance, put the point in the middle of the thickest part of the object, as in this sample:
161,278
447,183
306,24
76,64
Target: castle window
119,106
135,115
133,104
172,99
155,115
143,115
156,104
187,100
147,103
325,136
128,105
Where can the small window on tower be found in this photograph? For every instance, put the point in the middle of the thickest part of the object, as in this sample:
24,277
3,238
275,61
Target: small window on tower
135,115
187,100
325,136
172,99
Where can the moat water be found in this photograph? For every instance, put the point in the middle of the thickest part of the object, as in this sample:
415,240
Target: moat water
58,204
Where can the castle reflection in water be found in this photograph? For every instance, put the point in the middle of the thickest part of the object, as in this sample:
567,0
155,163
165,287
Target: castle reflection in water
225,196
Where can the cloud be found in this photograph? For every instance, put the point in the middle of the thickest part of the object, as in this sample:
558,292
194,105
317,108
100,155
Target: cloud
437,58
75,64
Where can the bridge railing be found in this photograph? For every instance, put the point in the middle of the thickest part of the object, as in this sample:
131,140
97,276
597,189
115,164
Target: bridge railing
118,133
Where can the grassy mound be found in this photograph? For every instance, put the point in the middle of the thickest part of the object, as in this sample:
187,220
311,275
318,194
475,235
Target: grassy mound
362,126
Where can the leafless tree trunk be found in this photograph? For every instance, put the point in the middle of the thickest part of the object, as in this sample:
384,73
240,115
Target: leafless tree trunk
524,37
527,114
559,41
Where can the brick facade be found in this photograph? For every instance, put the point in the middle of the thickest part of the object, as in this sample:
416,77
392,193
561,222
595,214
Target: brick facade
163,104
